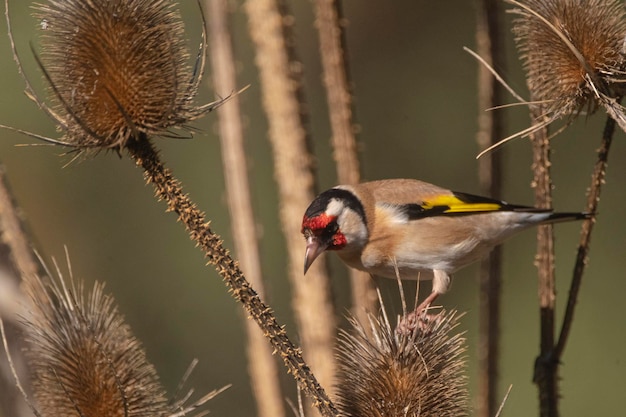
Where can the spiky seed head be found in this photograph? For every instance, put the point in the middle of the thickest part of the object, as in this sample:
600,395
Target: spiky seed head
385,374
573,50
84,359
117,69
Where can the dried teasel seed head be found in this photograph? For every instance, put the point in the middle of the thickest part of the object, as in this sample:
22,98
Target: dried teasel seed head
84,359
117,70
389,374
573,52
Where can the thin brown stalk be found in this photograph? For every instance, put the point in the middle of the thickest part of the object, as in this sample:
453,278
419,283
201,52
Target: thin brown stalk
13,234
593,199
17,262
12,402
262,366
545,373
330,28
169,189
15,374
282,98
490,130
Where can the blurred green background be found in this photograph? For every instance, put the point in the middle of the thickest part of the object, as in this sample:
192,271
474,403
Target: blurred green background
416,107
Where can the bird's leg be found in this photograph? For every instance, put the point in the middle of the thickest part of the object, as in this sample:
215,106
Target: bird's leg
423,307
418,318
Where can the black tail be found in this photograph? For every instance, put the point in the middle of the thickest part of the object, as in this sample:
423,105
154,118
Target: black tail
566,217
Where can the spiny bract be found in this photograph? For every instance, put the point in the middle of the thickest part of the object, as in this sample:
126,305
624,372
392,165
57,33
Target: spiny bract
573,51
117,69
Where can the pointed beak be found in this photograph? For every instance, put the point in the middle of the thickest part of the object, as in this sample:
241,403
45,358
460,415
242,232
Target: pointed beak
313,250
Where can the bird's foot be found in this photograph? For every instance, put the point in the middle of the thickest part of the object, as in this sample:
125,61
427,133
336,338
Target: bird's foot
417,320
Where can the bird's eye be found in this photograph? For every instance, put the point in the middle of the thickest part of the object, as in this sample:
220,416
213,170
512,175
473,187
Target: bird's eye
331,228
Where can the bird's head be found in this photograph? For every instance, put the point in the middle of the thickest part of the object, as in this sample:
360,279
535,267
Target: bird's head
335,220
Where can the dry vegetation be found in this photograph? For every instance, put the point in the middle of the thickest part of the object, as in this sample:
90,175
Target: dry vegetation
119,76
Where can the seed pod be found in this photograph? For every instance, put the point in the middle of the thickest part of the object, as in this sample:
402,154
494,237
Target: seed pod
573,52
117,70
83,357
390,374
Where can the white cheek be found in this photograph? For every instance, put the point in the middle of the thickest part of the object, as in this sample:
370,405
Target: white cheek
353,229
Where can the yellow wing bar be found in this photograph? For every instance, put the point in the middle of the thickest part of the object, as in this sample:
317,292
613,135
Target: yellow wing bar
454,204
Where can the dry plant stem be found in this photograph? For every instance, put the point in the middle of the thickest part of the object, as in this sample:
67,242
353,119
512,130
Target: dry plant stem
330,27
12,404
16,259
490,130
169,189
282,98
338,95
262,365
546,365
545,373
16,377
13,233
593,199
615,111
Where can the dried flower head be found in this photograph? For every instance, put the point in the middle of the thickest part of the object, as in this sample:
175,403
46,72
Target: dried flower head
84,359
389,374
117,70
573,52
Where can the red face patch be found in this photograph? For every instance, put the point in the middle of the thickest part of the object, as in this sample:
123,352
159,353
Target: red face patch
317,223
319,226
339,241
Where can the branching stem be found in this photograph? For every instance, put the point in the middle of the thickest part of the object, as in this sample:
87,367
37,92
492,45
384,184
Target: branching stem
593,199
169,189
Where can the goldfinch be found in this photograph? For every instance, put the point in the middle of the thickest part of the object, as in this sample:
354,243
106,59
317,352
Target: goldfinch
413,229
